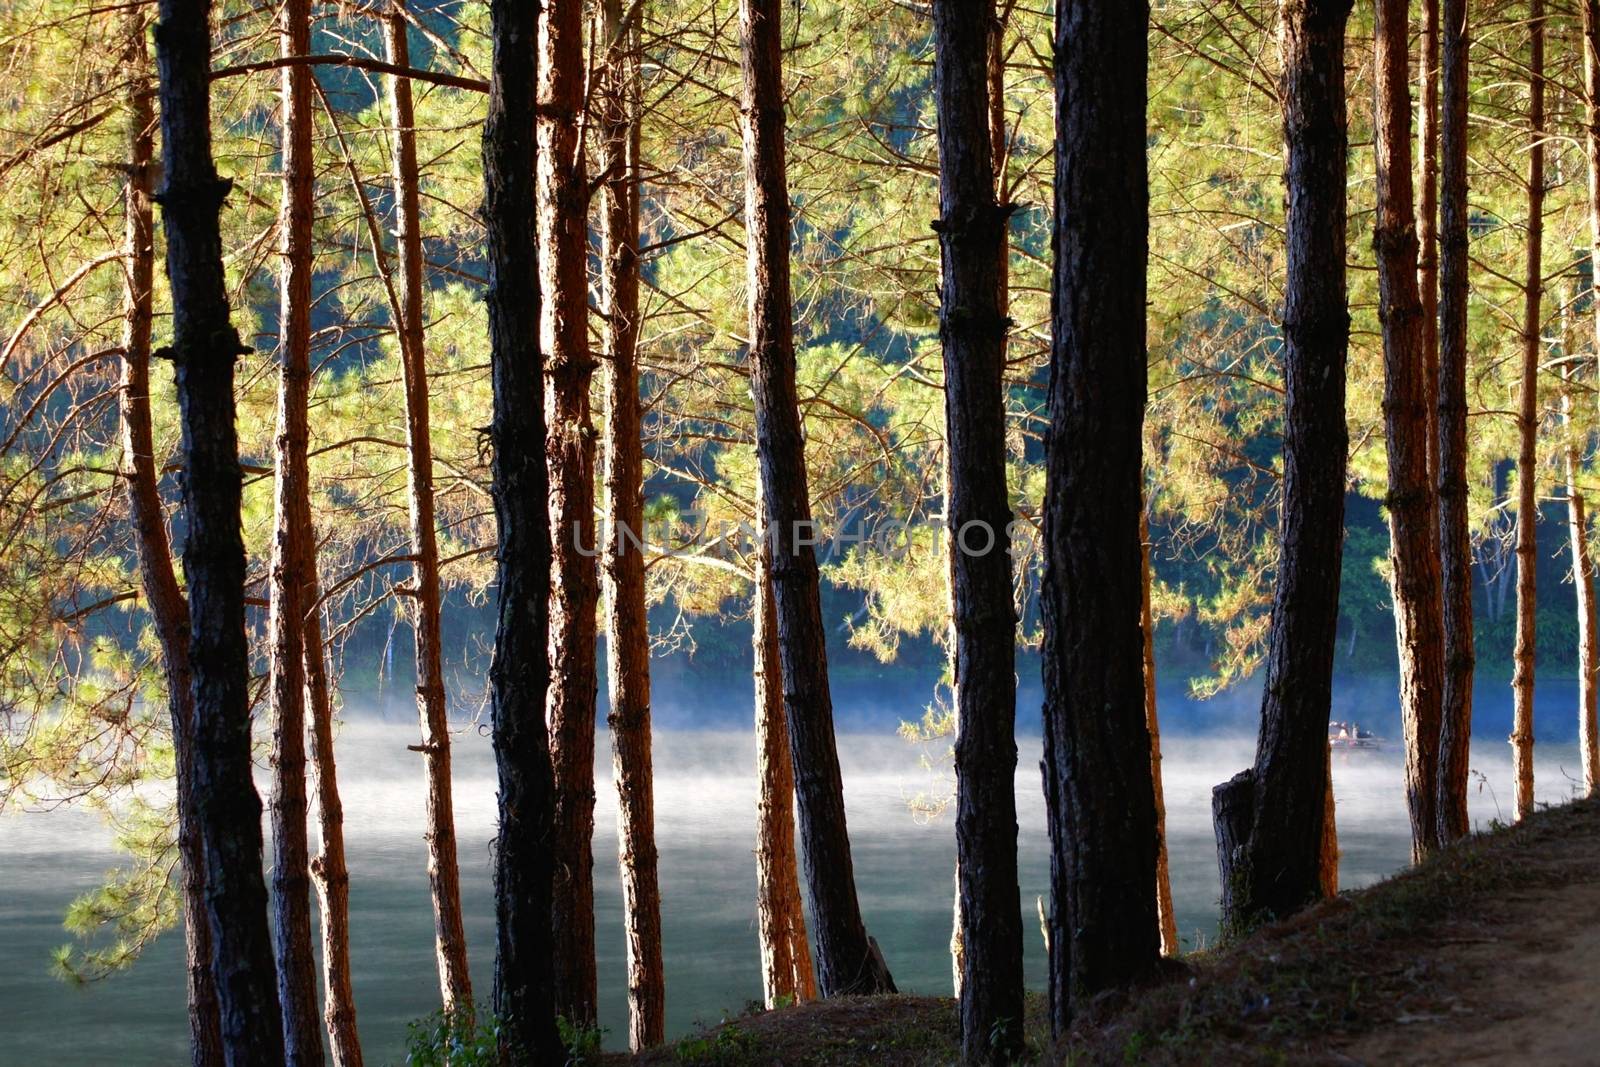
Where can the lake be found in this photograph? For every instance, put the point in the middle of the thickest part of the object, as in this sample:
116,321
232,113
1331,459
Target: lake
705,803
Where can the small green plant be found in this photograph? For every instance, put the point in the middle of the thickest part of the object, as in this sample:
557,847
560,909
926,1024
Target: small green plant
454,1039
581,1042
724,1048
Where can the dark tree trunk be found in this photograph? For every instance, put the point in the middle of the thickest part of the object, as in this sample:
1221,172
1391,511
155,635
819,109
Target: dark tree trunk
169,612
444,877
1277,868
972,329
204,348
293,556
627,618
563,194
1413,514
1428,223
848,961
1528,427
786,972
1455,540
524,856
1099,796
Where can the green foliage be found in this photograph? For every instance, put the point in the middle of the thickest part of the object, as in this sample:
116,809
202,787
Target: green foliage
454,1039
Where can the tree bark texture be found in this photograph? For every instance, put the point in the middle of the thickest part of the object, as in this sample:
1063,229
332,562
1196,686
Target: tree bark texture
169,611
1412,512
293,556
1276,870
1455,538
847,959
203,349
627,618
786,972
1428,221
1588,735
524,853
1528,429
1167,918
1583,579
972,330
1099,796
563,198
444,877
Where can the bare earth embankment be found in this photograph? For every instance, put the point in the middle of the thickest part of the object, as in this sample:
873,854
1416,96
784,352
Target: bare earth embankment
1487,953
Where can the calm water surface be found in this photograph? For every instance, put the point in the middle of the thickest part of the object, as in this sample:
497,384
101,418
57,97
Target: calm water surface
705,803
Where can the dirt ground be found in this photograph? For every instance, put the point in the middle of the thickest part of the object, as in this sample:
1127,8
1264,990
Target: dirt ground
1518,982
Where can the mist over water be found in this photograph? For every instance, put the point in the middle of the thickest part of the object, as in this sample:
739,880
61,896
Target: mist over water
705,805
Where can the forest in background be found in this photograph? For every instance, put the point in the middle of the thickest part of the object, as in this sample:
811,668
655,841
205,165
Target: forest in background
397,364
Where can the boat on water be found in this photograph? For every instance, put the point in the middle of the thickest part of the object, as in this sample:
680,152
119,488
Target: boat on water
1349,736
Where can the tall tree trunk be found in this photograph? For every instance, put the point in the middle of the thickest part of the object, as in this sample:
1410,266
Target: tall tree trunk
1589,736
204,348
1413,516
1528,428
1275,868
972,329
1583,579
1455,541
524,855
444,879
168,610
563,197
847,959
293,557
299,677
1099,796
786,973
1167,918
627,619
1428,225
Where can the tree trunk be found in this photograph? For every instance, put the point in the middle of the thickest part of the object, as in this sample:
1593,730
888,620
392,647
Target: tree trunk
293,557
524,859
300,675
1428,227
786,973
169,612
995,74
1589,736
204,348
1099,796
1413,515
1455,542
1583,579
1167,918
1329,858
627,619
1528,427
574,594
972,329
444,879
847,959
1278,869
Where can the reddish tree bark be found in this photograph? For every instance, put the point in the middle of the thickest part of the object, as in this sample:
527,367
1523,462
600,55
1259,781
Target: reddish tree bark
444,879
563,198
1412,512
627,618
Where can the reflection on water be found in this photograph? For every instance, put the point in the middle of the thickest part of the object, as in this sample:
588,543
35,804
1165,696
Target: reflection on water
705,803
